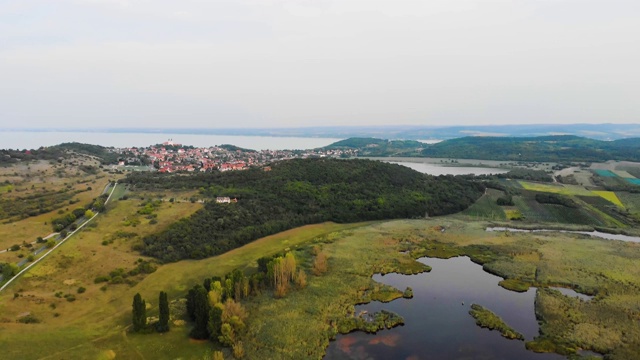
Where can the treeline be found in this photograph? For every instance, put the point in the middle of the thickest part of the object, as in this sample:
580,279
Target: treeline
527,174
69,220
555,199
520,174
295,193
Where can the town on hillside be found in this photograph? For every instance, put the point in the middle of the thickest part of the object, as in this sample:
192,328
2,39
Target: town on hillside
171,157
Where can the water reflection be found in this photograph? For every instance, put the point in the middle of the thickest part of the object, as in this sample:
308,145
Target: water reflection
597,234
436,169
573,293
437,323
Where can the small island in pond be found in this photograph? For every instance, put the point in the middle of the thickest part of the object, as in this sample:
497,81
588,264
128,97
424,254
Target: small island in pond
487,319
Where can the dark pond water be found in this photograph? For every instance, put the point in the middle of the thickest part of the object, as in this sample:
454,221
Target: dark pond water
573,293
437,322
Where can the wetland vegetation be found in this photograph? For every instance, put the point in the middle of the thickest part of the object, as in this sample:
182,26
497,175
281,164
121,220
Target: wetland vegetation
487,319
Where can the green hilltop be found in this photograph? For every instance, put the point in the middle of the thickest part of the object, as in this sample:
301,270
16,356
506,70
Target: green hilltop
541,148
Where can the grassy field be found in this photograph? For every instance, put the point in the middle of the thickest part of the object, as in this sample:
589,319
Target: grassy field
556,189
486,207
92,325
590,207
6,188
631,201
45,180
94,313
623,174
300,324
605,173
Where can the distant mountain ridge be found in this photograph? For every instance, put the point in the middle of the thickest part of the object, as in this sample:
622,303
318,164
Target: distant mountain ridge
542,148
605,131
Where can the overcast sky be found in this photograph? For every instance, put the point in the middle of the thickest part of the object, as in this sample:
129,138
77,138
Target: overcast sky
280,63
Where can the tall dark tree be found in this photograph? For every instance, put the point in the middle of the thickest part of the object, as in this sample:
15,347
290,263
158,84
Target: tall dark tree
139,313
163,304
215,323
191,303
201,313
207,284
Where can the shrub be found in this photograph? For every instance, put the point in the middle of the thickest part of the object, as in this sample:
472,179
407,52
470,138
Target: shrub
238,350
117,280
81,290
320,264
101,279
29,319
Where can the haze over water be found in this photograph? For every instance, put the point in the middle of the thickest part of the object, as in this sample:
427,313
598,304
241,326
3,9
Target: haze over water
33,140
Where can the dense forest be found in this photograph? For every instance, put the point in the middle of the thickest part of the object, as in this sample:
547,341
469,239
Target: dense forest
565,148
295,193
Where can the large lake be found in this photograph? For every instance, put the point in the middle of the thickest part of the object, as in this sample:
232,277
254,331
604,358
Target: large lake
35,139
437,322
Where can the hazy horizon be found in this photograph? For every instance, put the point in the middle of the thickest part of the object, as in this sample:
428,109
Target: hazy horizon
294,64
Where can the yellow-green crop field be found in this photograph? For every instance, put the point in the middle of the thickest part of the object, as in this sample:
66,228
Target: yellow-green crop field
556,189
609,196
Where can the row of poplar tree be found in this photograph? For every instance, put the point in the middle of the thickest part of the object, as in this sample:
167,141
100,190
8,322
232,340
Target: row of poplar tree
140,314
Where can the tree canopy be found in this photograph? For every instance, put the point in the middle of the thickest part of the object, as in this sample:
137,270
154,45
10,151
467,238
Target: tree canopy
295,193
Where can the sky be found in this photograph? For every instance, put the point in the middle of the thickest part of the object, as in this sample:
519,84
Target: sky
286,63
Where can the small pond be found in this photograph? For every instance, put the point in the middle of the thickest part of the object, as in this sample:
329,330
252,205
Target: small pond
572,293
437,320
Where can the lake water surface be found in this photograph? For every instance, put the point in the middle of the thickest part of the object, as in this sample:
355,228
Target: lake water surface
437,320
33,140
435,169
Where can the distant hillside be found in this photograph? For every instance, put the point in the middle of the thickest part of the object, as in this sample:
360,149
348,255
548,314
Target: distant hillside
295,193
542,148
234,148
380,147
62,151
